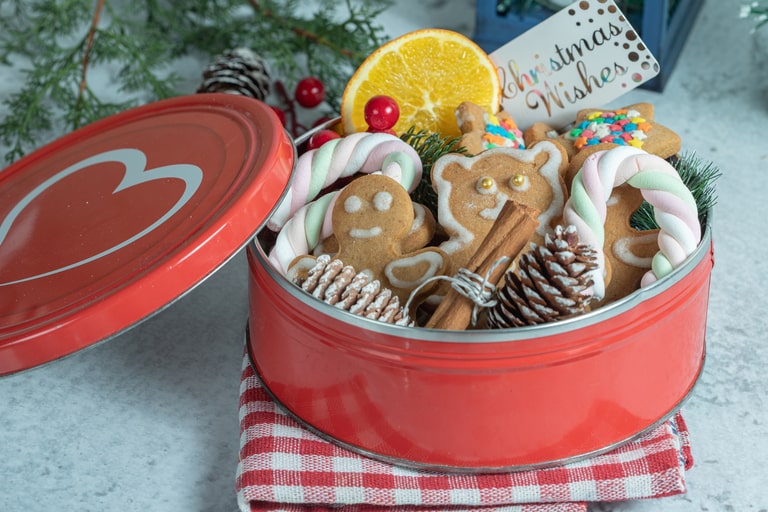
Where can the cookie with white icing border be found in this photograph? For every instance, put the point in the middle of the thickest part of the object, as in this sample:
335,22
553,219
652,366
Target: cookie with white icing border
472,190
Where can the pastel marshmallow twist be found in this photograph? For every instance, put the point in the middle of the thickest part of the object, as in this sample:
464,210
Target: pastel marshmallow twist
361,152
660,184
303,232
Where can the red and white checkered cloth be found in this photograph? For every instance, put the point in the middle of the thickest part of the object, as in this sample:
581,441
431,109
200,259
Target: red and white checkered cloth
285,467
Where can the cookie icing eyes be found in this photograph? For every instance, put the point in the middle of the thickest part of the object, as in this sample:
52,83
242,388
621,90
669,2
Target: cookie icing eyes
519,182
352,204
382,201
486,185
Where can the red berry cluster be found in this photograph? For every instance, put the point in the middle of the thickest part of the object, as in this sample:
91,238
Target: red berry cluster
381,113
321,137
309,93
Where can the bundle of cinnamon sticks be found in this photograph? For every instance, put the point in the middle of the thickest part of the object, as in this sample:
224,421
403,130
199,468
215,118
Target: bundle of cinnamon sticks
511,233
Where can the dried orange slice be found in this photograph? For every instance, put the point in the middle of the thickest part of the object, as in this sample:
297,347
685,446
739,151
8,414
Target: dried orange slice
429,72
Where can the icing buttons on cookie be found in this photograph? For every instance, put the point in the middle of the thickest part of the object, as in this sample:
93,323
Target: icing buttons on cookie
519,182
486,185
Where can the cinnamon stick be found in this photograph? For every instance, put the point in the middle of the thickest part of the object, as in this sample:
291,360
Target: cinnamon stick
510,233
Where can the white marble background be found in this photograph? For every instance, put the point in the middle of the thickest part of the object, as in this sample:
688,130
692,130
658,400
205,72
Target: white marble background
148,421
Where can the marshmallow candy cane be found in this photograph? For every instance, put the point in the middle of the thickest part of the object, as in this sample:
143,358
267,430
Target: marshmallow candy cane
660,184
301,234
362,152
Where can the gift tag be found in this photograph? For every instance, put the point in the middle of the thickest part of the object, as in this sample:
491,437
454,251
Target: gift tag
583,56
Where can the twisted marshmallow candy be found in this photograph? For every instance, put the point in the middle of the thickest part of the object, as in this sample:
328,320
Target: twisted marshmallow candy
338,158
303,232
675,208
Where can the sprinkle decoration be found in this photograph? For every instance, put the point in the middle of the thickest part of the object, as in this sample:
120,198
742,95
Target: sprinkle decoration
502,133
622,127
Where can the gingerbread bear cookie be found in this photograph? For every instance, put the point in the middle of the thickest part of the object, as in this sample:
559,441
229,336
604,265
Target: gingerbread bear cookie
482,130
600,129
472,190
373,224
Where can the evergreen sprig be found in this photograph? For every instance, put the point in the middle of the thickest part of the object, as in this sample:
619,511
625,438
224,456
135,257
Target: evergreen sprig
757,11
699,176
430,146
136,43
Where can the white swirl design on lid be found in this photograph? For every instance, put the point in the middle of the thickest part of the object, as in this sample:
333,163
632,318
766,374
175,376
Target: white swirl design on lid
135,162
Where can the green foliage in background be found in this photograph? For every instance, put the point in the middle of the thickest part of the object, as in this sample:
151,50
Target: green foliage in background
136,43
757,11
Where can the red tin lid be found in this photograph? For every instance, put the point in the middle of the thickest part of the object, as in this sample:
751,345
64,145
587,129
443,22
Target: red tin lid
110,223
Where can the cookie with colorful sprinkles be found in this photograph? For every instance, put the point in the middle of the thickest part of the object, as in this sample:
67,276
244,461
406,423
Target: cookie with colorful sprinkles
482,130
601,129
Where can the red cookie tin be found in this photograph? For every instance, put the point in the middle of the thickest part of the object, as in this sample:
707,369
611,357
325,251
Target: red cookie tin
481,400
109,224
485,400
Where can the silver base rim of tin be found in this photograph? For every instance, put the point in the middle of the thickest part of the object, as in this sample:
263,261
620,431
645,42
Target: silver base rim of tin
421,466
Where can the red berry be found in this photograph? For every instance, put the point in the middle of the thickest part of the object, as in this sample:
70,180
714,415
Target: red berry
381,113
321,120
310,92
280,114
320,138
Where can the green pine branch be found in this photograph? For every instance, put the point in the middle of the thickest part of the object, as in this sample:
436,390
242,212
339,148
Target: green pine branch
757,11
699,176
135,43
430,147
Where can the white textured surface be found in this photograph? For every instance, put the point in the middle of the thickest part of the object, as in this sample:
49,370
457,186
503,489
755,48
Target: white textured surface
148,421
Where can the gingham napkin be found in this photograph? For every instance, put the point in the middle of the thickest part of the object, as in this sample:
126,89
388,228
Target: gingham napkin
284,467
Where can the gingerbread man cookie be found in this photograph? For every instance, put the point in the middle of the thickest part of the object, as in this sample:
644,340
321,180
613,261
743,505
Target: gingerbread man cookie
628,252
421,233
600,129
674,210
482,130
373,223
472,190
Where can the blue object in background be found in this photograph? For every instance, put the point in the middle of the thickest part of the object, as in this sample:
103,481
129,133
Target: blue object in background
663,25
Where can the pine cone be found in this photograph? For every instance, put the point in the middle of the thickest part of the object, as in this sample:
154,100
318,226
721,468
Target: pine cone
238,71
548,285
339,285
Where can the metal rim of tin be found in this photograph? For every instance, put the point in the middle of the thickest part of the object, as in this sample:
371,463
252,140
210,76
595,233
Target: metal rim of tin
462,469
496,335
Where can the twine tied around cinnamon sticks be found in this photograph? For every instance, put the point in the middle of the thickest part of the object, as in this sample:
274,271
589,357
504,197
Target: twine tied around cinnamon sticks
478,289
473,287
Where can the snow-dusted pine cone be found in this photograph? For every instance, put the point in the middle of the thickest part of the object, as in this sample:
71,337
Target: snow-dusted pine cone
548,285
238,71
339,285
